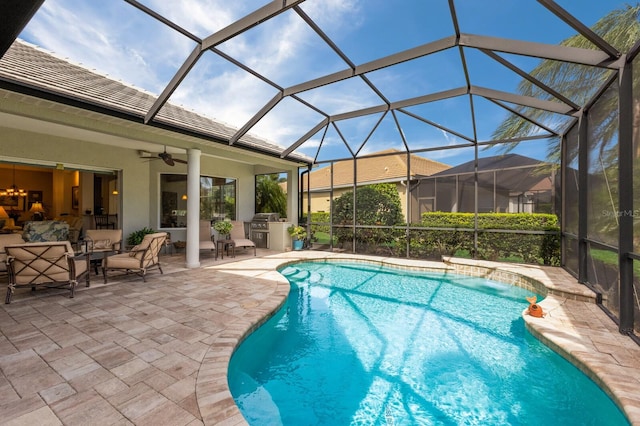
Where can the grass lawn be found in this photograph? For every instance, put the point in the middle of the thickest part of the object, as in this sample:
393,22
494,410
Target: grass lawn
322,237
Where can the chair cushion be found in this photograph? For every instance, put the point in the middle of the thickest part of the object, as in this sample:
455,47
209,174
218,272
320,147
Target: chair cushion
135,250
243,242
126,261
10,240
207,245
7,240
80,265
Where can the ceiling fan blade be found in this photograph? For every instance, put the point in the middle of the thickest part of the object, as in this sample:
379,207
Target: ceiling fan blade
177,160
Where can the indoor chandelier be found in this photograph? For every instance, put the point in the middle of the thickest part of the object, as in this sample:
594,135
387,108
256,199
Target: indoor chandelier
13,191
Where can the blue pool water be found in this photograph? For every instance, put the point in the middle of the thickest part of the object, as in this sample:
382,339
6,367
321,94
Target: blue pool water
366,345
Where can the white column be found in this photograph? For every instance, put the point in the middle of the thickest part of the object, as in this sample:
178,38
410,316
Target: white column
193,208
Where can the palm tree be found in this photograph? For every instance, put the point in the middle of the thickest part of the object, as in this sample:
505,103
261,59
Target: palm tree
621,29
270,197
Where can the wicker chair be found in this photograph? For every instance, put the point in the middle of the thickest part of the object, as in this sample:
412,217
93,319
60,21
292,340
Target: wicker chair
47,264
139,260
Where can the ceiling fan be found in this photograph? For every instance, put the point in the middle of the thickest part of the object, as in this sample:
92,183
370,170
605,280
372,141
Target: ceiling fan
165,156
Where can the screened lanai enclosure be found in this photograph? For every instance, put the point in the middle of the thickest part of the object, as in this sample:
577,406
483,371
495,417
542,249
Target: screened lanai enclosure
485,129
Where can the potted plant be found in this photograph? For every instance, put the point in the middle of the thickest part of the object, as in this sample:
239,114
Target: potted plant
136,237
298,234
223,227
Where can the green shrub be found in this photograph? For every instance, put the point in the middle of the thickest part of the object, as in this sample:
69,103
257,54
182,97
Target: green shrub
377,204
529,248
136,237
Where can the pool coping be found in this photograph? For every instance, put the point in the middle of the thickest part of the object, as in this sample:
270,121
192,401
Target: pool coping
573,326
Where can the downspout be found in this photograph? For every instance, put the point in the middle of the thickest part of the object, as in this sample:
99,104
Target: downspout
301,193
308,173
408,202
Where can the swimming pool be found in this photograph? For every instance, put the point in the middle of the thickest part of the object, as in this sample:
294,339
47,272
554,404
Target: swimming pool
363,344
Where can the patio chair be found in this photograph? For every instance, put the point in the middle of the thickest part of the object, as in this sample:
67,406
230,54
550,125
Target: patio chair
207,240
7,240
47,264
139,260
102,242
238,237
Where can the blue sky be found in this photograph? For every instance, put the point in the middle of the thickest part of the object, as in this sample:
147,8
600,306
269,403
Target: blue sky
115,39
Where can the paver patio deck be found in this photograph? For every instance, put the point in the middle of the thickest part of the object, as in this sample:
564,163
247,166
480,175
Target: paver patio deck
157,352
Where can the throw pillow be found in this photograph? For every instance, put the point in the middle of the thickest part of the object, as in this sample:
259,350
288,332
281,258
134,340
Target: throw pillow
102,244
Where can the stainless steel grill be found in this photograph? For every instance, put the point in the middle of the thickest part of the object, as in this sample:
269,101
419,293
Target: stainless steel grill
259,227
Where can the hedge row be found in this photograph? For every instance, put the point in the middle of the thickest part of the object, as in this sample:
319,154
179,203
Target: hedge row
428,243
513,221
530,248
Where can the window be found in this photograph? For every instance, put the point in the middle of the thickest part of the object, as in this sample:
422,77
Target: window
217,199
271,196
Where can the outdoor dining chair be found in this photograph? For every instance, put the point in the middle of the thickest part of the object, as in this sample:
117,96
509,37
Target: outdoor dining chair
102,222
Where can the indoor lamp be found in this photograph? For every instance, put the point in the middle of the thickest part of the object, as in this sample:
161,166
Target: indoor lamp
37,210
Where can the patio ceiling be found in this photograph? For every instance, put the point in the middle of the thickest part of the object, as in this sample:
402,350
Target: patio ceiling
339,92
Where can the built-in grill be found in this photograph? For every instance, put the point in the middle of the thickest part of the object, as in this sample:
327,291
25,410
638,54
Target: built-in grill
259,228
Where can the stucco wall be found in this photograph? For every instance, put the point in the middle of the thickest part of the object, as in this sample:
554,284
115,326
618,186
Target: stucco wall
47,149
140,177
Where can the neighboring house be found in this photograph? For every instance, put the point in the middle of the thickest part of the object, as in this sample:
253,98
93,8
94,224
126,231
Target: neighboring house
388,166
509,183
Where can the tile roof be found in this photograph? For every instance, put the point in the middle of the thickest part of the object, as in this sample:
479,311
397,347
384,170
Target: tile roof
495,162
375,169
516,173
27,64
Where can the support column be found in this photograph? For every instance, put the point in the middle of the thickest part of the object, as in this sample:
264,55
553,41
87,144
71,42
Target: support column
625,198
583,207
193,208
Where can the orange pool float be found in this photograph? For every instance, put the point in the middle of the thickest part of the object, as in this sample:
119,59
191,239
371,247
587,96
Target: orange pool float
534,309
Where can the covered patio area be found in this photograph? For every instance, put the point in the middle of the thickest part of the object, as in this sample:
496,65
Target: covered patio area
157,352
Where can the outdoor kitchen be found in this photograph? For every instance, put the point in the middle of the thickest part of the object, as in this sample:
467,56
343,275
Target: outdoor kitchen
267,230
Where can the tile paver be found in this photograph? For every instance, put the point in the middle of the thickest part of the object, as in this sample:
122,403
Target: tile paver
157,352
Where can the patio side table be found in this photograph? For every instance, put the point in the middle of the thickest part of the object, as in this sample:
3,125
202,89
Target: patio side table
222,245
